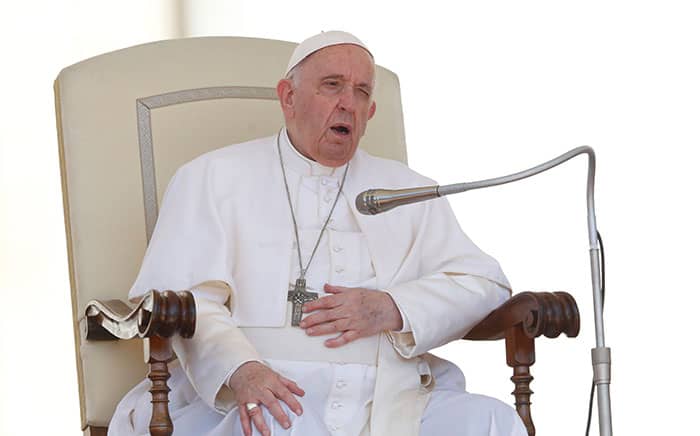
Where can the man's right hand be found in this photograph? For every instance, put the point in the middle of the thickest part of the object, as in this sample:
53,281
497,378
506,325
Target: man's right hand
254,382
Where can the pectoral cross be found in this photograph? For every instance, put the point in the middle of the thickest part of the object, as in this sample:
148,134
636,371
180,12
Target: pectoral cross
298,296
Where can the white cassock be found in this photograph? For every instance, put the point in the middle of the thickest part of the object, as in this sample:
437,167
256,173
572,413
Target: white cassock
225,232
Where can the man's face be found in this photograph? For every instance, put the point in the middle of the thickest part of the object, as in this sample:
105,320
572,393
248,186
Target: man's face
327,106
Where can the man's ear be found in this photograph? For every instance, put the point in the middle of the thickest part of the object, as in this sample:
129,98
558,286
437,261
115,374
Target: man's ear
372,110
285,94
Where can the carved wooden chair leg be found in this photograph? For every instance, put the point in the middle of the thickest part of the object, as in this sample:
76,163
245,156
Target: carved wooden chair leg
520,355
160,354
519,321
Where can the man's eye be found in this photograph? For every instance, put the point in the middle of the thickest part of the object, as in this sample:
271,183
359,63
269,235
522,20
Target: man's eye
332,83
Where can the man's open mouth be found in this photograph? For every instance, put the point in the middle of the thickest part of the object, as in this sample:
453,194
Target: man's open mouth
341,129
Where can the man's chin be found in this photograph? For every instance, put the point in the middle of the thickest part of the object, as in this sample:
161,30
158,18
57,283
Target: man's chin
335,155
333,163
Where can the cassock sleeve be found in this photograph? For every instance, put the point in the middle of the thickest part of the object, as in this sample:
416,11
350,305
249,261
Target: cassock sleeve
189,245
216,350
457,284
189,250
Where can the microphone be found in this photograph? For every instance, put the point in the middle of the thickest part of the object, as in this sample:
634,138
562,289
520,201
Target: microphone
374,201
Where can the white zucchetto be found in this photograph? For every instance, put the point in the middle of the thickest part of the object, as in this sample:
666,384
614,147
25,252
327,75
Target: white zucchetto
319,41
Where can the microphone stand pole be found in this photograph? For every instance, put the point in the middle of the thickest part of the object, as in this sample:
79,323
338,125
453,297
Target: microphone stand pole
601,354
380,200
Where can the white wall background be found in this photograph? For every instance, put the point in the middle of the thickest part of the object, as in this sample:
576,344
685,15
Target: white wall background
488,88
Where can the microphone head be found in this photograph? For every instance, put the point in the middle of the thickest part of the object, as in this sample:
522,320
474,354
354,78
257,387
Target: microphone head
364,202
374,201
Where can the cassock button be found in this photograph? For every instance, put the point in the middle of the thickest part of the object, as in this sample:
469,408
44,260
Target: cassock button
339,270
336,405
337,249
327,199
324,182
340,384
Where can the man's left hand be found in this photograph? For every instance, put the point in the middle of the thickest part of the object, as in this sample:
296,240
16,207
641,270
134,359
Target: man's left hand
352,312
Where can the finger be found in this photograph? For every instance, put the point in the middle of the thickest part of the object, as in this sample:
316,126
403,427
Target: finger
332,289
286,395
293,386
342,339
327,302
335,326
270,401
245,420
259,420
321,316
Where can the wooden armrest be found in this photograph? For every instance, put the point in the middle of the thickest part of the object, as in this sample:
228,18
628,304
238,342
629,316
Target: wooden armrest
519,321
539,313
158,316
161,314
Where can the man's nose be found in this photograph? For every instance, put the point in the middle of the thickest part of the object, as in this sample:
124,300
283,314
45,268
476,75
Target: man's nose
346,100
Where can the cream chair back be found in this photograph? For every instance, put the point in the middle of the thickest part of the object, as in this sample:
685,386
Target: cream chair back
126,121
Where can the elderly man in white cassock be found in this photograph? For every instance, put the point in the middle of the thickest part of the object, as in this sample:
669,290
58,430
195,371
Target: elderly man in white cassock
311,318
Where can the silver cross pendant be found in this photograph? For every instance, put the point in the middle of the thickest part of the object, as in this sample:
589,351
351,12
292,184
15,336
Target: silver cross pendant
298,296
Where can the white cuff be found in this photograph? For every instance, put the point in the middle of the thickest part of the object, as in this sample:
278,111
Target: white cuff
405,323
442,307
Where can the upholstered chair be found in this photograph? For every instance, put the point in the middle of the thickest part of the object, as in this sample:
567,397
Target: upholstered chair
126,121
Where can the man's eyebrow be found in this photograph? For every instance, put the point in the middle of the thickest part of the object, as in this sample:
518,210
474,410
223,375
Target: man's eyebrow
332,76
341,77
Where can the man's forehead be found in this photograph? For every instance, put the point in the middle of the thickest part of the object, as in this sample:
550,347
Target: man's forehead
341,60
